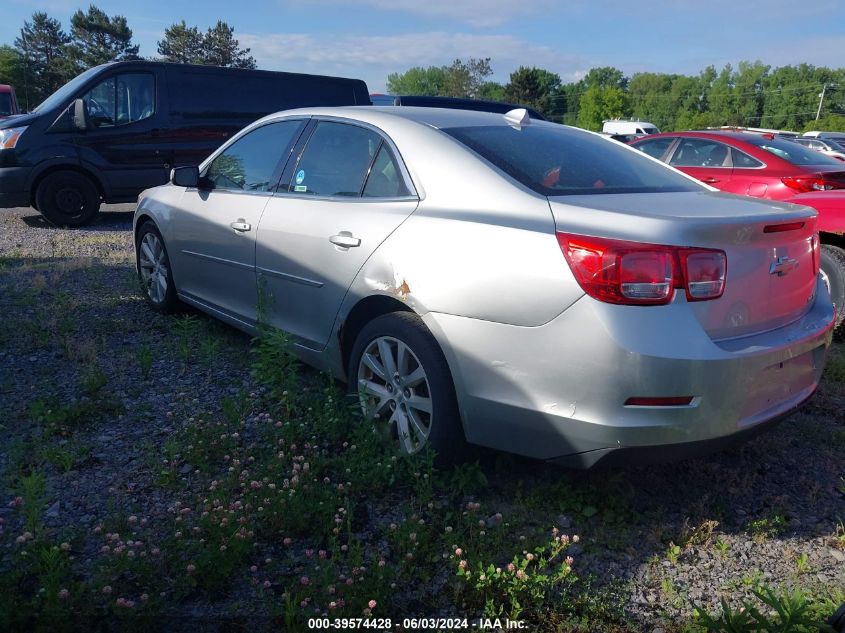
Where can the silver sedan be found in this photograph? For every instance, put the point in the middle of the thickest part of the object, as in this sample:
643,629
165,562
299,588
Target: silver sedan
499,280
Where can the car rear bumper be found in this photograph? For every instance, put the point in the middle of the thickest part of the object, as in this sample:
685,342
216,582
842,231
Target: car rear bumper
558,391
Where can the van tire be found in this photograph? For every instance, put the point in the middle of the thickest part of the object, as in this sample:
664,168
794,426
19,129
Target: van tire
67,198
833,268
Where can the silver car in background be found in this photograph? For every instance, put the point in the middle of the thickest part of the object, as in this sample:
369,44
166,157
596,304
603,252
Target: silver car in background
508,282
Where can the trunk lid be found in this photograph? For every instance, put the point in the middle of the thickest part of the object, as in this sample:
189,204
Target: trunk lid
771,277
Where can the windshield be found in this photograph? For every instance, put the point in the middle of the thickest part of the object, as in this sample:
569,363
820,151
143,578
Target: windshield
5,104
62,94
794,153
555,160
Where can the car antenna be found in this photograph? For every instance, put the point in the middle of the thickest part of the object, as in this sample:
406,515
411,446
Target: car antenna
518,118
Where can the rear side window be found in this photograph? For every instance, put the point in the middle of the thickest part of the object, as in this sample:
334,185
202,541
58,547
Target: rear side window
121,100
741,160
554,160
385,179
250,163
656,147
335,161
697,152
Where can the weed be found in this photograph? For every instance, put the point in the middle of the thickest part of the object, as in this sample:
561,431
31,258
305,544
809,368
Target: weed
145,360
766,527
94,380
721,545
788,612
33,487
673,552
802,563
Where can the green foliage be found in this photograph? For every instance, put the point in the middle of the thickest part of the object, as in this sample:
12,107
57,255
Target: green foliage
536,88
216,47
460,79
599,104
521,589
97,39
42,44
788,612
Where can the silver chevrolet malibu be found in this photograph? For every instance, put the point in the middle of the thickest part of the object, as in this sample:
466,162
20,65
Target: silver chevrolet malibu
499,280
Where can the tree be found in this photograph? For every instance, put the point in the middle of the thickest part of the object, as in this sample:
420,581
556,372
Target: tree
536,88
418,81
492,91
182,44
464,79
605,77
12,72
220,48
41,44
97,39
598,104
217,47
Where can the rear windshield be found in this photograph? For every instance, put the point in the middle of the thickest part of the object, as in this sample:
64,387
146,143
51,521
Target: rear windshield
555,160
794,153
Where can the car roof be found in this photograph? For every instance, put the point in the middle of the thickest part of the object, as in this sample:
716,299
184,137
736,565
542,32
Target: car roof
432,117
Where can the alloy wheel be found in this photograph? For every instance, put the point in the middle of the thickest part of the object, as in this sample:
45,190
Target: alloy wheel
392,384
153,267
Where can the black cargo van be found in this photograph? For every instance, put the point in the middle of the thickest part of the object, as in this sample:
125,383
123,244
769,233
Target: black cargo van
119,128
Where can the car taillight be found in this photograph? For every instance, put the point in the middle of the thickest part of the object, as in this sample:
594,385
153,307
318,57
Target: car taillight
815,182
632,273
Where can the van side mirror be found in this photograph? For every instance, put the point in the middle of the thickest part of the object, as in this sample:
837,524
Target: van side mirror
185,176
80,115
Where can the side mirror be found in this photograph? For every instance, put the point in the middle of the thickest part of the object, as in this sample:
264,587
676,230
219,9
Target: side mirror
80,115
185,176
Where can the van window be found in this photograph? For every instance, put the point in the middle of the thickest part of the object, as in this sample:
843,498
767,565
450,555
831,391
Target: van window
249,163
335,161
209,94
121,100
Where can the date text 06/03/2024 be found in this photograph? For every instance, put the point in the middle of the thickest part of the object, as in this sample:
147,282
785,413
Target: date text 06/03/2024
409,624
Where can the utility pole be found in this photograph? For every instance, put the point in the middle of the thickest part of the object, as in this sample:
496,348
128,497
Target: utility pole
821,99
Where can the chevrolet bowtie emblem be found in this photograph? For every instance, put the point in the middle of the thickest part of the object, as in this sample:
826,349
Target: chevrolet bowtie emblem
783,265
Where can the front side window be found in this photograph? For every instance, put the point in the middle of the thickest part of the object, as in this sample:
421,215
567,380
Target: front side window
121,100
335,161
554,160
697,152
250,162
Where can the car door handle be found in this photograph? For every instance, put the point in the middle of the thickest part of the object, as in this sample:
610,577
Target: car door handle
345,239
709,180
241,225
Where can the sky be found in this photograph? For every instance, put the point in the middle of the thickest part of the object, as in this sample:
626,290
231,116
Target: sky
369,39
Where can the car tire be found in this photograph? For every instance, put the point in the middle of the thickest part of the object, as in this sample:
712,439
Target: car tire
155,276
833,268
67,198
421,381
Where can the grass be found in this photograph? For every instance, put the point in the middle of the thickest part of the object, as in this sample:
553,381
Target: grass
283,503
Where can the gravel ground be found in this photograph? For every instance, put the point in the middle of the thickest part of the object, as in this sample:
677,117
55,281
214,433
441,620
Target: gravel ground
75,333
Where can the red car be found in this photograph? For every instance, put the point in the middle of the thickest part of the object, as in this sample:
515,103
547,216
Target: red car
760,165
8,101
765,166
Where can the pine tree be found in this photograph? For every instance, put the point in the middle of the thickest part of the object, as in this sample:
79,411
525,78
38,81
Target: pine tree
182,44
97,39
41,43
222,49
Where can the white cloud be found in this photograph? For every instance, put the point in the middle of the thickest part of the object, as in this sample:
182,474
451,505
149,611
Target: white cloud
478,13
373,57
